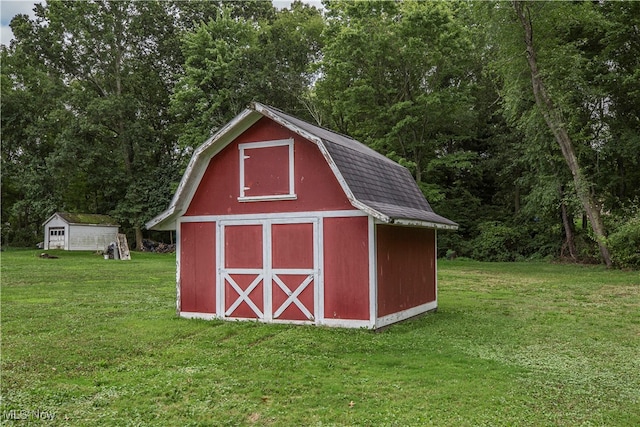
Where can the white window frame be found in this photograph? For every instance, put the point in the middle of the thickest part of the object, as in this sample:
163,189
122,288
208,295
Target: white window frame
56,231
267,144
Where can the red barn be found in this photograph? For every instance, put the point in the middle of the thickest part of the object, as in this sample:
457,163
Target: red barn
278,220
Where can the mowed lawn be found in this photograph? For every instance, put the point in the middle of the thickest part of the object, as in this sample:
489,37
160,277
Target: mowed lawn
94,342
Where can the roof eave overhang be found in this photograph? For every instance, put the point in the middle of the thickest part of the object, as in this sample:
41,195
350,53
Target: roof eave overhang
50,218
90,224
425,224
163,222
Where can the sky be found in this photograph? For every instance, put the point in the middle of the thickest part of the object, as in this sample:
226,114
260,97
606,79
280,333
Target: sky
11,8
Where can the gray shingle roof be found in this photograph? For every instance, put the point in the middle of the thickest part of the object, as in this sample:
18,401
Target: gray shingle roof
372,182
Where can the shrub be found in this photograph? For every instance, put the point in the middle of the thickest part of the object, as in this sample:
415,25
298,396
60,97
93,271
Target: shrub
518,241
497,242
624,243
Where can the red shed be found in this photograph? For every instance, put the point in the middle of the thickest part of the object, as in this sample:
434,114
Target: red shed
278,220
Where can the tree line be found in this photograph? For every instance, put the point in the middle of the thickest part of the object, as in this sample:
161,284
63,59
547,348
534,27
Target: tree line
518,120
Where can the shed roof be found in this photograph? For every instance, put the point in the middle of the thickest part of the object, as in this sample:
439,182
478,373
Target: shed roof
373,183
84,219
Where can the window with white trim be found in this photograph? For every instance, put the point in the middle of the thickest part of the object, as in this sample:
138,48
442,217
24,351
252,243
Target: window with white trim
266,171
56,232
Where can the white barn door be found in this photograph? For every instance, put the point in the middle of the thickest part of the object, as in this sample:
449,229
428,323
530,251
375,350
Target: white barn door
269,270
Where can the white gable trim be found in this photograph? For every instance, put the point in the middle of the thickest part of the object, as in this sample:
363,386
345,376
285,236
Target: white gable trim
423,224
203,154
198,165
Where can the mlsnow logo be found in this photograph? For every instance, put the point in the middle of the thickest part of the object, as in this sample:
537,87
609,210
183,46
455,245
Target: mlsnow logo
24,415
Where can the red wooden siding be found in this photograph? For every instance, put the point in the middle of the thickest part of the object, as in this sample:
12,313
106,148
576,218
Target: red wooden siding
406,268
292,245
197,267
266,171
315,185
243,246
346,268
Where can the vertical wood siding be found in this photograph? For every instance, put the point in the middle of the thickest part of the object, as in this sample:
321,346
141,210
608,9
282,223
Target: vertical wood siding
197,267
90,237
406,267
346,268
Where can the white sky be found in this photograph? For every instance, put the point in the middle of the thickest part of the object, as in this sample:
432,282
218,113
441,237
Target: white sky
11,8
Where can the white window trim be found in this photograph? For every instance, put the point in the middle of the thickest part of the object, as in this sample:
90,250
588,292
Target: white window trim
267,144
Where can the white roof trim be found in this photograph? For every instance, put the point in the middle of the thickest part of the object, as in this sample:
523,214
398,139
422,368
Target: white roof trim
197,166
425,224
51,217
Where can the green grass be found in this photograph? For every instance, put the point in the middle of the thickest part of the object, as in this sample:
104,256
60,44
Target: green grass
98,343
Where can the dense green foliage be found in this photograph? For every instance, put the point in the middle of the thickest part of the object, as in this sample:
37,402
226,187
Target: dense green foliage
97,342
103,103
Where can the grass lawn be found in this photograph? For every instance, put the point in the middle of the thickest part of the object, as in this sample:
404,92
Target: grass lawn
94,342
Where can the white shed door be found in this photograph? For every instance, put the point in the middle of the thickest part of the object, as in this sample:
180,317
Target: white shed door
270,270
56,238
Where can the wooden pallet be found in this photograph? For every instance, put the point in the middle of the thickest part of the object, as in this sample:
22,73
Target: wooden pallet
123,246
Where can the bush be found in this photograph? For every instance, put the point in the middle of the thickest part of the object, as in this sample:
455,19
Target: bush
497,242
624,244
500,241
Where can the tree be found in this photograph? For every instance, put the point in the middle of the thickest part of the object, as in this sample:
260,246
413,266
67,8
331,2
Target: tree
30,103
556,123
117,61
395,75
232,60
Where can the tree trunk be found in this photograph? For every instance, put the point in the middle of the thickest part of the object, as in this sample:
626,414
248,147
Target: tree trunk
567,223
555,123
138,239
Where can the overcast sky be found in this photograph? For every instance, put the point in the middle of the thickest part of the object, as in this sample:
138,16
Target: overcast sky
11,8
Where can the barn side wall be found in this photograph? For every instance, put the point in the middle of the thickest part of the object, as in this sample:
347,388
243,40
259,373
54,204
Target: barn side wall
90,237
197,267
406,270
346,268
316,187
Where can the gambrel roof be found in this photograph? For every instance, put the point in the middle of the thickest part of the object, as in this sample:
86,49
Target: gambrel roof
372,182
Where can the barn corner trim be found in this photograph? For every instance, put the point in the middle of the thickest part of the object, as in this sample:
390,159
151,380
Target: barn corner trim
331,145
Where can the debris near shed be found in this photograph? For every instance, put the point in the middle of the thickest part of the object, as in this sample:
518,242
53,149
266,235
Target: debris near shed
118,249
47,256
158,247
123,246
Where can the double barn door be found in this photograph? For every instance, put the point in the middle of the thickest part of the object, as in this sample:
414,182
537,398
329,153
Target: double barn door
269,270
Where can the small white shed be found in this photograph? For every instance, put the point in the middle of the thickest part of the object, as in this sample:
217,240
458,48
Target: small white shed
79,232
